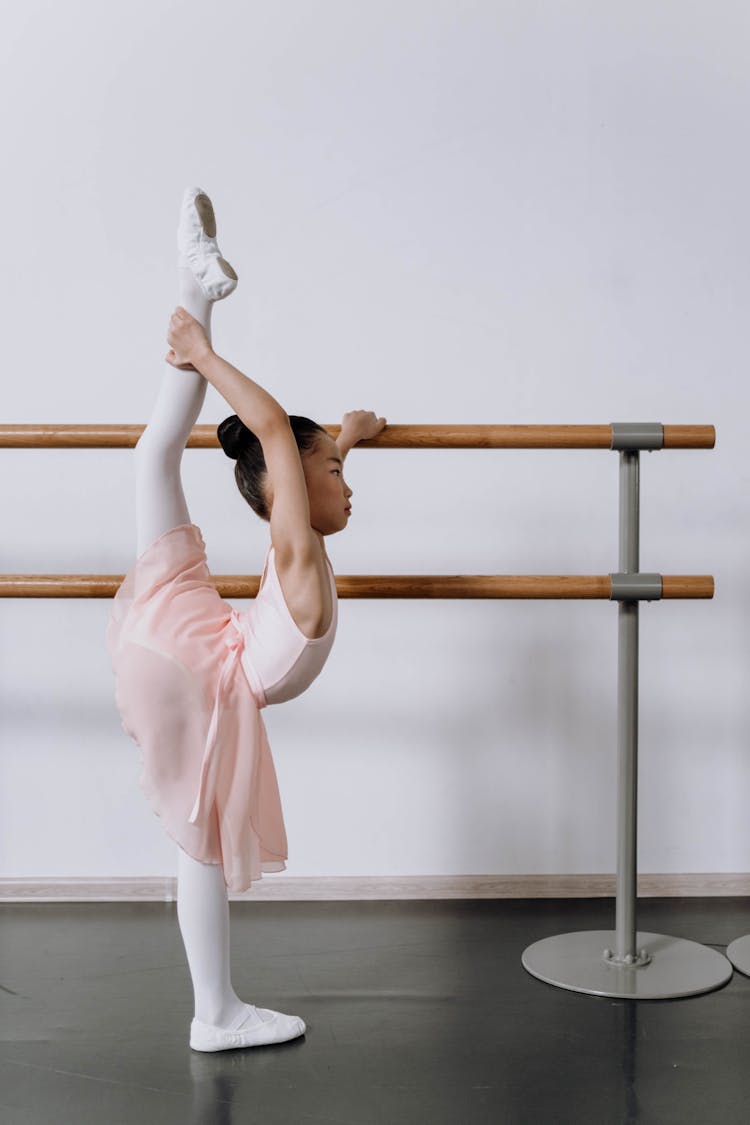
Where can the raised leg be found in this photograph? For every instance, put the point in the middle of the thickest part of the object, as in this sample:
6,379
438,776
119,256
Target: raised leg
159,499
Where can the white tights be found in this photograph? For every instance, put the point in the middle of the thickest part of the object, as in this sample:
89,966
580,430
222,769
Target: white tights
202,904
159,500
203,914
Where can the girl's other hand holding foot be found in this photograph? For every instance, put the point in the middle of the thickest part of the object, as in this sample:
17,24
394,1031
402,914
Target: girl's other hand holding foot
187,340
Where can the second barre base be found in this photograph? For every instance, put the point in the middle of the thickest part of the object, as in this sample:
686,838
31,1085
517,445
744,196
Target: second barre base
739,954
677,967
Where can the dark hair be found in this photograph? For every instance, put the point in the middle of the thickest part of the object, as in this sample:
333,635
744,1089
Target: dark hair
241,445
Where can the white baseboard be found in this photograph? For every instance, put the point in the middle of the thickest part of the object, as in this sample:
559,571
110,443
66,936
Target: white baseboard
278,888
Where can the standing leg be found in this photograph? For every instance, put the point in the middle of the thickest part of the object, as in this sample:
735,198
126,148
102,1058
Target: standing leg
203,914
222,1021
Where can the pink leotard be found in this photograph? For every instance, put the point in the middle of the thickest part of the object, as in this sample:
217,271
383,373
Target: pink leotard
192,675
279,661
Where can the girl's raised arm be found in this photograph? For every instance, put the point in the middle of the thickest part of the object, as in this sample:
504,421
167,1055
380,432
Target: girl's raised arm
291,533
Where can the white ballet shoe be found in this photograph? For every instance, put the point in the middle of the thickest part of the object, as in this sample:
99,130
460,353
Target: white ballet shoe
275,1028
198,248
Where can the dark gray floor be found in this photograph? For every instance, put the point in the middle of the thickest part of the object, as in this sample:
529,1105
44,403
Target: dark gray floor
416,1012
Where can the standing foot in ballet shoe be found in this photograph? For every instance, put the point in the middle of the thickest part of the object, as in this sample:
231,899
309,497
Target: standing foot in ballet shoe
255,1028
198,248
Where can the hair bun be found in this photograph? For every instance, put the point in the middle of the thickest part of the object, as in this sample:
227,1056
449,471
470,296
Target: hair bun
233,436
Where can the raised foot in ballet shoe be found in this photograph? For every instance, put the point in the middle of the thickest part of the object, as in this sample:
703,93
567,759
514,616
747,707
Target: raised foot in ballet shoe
198,248
260,1027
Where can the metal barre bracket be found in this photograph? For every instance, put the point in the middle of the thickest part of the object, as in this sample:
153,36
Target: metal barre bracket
637,435
636,587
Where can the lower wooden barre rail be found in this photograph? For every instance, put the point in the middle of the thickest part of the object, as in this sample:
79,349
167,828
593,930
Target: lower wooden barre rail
393,437
537,586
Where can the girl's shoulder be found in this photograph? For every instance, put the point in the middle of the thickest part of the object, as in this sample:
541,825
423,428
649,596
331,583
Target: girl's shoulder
307,591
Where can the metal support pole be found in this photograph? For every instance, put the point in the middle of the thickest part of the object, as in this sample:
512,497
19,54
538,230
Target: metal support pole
627,716
600,962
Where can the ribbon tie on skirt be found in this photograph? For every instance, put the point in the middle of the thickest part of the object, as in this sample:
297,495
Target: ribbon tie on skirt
209,766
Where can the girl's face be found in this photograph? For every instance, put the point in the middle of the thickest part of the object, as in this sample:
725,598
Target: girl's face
328,492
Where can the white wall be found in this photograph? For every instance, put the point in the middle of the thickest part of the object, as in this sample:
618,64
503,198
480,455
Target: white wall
444,212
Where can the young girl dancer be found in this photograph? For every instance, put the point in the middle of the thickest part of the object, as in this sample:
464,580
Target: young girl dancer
192,673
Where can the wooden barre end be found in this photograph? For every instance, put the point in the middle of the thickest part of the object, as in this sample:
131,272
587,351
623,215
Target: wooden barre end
687,586
689,437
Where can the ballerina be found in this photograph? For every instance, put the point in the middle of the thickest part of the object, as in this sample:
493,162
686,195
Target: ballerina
192,674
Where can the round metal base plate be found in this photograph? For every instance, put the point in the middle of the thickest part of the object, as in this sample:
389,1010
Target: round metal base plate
739,954
676,968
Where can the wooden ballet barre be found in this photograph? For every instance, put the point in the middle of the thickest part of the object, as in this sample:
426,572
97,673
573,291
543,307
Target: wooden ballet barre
487,586
392,437
622,964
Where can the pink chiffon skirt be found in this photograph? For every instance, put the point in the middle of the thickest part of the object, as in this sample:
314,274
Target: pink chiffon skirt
184,699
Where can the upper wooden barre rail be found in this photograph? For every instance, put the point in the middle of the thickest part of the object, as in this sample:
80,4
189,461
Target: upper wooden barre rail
537,586
392,437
